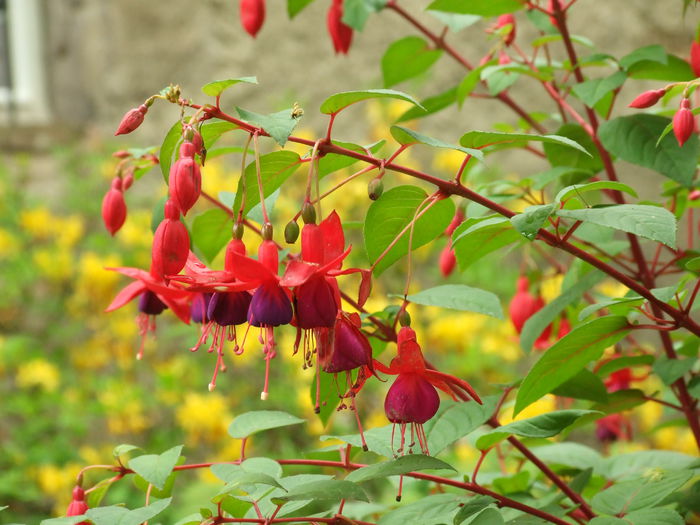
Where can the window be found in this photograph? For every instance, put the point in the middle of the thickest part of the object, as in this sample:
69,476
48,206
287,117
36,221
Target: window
23,98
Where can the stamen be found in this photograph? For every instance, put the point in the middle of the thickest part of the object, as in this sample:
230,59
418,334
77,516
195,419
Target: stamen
206,328
398,496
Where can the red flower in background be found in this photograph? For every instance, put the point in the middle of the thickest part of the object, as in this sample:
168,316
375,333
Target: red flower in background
341,34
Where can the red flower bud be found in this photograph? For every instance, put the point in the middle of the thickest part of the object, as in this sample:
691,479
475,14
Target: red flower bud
128,179
683,122
503,58
504,20
694,195
114,207
185,179
77,506
252,15
121,154
647,99
131,120
341,34
523,306
447,261
695,57
171,243
456,221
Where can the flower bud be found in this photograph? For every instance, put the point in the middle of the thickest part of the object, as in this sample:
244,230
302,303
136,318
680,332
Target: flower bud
503,58
267,231
131,120
341,34
114,207
237,230
504,20
694,195
252,15
404,318
128,179
308,213
447,261
695,57
683,122
647,99
171,243
185,183
291,232
77,506
375,188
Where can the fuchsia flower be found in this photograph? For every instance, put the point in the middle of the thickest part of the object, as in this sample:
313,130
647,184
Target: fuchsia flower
154,297
185,182
78,505
413,399
647,99
683,122
252,15
523,306
132,120
695,57
341,34
612,428
114,207
171,243
504,20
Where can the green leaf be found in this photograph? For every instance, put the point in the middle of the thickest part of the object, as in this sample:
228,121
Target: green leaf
454,22
278,125
479,139
124,448
391,213
480,236
558,155
471,507
569,454
498,79
584,385
155,468
454,420
623,362
592,91
541,180
653,53
324,491
468,84
114,515
407,136
543,426
477,7
249,423
640,493
622,466
356,12
565,358
407,58
340,101
576,189
216,88
592,308
675,69
436,509
275,168
211,230
70,520
332,162
670,370
396,467
654,517
245,481
650,222
488,516
634,138
294,7
536,324
529,222
431,105
460,297
548,39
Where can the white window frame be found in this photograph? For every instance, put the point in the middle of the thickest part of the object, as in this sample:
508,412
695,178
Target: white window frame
27,102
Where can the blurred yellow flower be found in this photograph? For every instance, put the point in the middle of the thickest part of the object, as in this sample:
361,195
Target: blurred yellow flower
38,373
57,265
215,179
38,222
9,244
679,439
551,287
57,483
205,417
612,289
68,230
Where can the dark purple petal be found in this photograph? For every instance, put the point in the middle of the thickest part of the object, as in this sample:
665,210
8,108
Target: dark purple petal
315,304
198,311
150,304
270,306
229,308
350,349
411,399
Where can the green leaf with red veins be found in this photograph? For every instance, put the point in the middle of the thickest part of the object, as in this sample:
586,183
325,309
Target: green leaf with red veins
477,237
340,101
388,216
478,7
217,87
407,58
115,515
155,468
278,125
530,221
565,358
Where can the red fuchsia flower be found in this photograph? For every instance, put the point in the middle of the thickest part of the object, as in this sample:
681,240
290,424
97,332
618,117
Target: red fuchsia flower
132,120
185,182
622,379
503,58
252,15
612,427
504,20
413,399
341,34
154,297
695,57
78,506
114,207
523,306
198,310
171,243
683,122
551,7
647,99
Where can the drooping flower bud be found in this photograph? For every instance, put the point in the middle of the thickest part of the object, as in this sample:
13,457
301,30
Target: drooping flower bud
128,179
411,399
375,188
291,232
505,20
683,122
132,120
171,243
341,34
647,99
695,57
447,261
77,506
523,305
114,207
252,15
185,181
